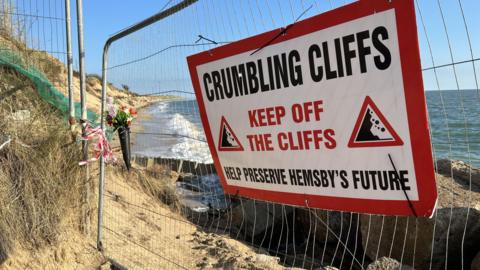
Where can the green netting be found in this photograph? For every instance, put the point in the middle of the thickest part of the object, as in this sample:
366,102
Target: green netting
44,87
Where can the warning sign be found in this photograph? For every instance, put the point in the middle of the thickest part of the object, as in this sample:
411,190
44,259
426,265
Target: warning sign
330,114
228,141
372,129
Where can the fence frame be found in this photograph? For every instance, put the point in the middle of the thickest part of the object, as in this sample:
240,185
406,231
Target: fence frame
133,28
164,14
68,27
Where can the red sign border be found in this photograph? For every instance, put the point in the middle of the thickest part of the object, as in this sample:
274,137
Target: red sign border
396,139
414,97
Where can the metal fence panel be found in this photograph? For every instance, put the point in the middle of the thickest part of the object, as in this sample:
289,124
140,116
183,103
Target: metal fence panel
195,217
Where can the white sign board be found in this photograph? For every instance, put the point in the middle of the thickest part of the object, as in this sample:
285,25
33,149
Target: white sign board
330,113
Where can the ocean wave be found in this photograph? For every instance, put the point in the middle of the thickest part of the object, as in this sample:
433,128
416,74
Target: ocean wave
192,144
192,150
179,125
180,136
161,107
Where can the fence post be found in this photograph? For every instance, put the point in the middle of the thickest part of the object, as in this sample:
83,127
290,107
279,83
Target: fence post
101,181
71,103
83,102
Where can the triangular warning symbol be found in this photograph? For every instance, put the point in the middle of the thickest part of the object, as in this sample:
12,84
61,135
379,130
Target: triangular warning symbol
227,140
372,128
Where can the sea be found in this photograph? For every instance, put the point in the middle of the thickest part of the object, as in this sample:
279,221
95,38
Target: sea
173,129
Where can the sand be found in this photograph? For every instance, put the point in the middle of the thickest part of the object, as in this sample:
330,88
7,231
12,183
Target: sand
142,233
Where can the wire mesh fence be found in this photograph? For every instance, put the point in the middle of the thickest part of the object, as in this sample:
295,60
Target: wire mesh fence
37,152
39,91
172,212
34,29
33,42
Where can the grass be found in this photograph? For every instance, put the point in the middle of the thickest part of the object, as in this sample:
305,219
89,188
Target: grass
41,184
157,183
40,181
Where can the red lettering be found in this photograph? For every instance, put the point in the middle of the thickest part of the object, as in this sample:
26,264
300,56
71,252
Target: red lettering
280,112
307,140
304,112
281,144
317,138
297,115
317,109
252,118
331,142
261,117
307,110
260,142
269,116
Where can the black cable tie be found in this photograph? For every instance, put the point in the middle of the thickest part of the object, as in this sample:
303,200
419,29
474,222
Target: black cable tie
410,204
282,32
200,37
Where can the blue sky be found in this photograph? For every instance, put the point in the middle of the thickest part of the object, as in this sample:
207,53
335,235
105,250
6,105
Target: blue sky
229,20
238,19
105,17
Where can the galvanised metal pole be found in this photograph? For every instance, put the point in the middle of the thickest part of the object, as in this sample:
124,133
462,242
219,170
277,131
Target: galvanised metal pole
81,58
83,103
101,181
155,18
71,103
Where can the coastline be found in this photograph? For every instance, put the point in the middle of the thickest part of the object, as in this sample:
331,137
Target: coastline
141,103
143,115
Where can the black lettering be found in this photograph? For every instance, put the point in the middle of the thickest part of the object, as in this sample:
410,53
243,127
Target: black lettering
383,180
252,78
227,172
263,87
252,176
326,58
355,178
316,178
323,176
343,177
245,173
362,50
373,179
404,180
239,80
261,176
270,73
209,92
239,173
315,72
377,43
295,70
280,68
338,51
394,184
217,85
228,92
293,178
308,177
349,54
365,180
331,175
